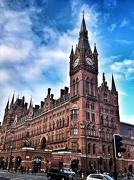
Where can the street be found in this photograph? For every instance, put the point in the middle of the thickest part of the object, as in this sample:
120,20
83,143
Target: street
5,175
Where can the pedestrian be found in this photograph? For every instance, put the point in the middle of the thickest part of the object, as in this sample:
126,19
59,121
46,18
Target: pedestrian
28,170
128,175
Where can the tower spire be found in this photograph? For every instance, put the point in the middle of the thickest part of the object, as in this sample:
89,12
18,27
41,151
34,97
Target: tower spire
12,102
113,87
7,106
83,36
83,24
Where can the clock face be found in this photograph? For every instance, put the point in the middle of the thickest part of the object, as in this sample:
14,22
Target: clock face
89,61
76,62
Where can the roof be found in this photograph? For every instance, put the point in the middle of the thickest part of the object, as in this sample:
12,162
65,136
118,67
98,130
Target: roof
125,127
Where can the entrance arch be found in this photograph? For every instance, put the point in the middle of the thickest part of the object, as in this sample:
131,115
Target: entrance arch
74,164
130,167
36,163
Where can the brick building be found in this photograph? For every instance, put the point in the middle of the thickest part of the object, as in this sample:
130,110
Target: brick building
73,131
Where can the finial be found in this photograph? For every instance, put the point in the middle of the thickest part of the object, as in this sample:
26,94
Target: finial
83,12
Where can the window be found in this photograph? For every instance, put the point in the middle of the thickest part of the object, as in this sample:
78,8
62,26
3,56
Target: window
87,85
103,149
87,116
94,148
74,114
106,121
74,88
92,117
109,149
87,104
92,106
89,148
101,122
102,134
77,86
105,96
91,84
74,131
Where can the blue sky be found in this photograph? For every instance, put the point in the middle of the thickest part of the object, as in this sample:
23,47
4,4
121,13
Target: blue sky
36,37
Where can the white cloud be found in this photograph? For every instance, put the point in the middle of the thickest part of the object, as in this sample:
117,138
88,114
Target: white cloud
124,23
123,41
112,27
126,68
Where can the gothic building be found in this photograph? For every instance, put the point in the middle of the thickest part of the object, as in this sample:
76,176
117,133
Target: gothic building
73,131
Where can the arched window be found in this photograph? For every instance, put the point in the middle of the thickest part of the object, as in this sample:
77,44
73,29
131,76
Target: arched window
87,116
87,85
77,86
74,114
128,153
112,122
106,121
74,88
109,149
102,134
94,148
107,134
103,149
93,131
101,121
91,86
87,104
89,148
92,106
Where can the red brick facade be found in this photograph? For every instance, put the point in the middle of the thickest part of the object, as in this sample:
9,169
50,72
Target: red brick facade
73,131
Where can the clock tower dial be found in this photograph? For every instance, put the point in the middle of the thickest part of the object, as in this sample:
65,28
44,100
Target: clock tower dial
89,61
76,62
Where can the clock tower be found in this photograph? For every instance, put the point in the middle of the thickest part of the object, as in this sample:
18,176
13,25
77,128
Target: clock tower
83,66
83,88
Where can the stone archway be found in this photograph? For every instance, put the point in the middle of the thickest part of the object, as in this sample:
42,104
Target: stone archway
130,167
36,163
74,164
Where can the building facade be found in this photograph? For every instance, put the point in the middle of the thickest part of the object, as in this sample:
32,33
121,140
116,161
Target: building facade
73,131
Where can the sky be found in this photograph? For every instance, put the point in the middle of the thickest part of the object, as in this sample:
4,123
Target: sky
36,37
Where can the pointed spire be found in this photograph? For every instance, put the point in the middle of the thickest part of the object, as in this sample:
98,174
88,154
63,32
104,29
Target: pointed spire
83,24
12,102
103,77
31,103
83,36
7,106
72,52
95,50
113,87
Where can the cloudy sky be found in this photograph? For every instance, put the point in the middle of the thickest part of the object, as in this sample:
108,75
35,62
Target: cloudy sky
36,37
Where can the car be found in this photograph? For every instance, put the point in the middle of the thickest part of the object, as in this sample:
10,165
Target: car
98,177
57,174
67,170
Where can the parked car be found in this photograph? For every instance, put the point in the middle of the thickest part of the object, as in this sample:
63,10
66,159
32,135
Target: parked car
98,177
67,170
57,174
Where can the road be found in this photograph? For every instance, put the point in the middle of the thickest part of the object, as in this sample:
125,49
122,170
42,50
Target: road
5,175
